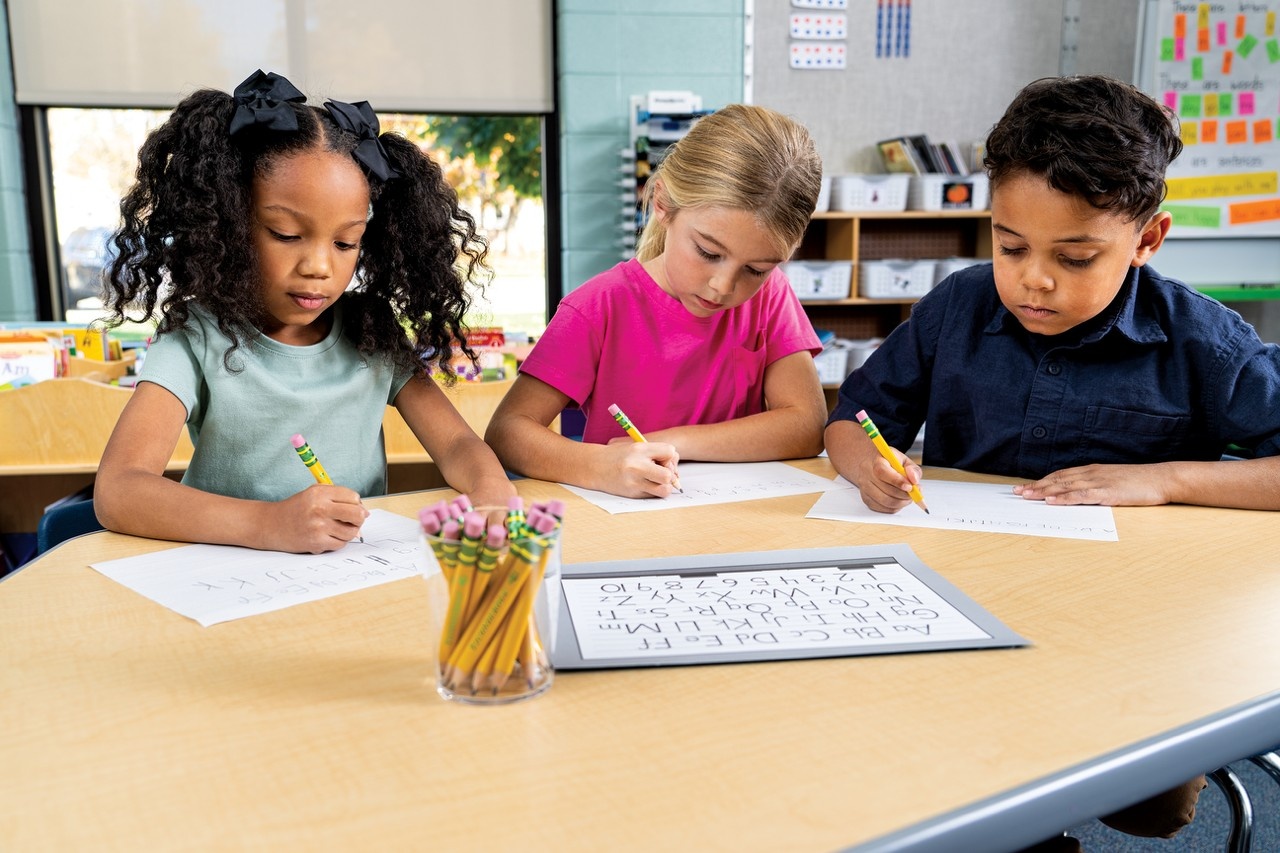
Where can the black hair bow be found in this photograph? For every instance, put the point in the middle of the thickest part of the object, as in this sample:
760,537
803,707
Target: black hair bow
262,100
360,119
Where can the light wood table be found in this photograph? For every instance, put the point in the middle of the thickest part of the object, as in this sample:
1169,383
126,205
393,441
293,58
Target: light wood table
126,726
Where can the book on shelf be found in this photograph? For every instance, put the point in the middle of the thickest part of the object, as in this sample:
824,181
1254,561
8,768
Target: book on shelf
899,156
917,155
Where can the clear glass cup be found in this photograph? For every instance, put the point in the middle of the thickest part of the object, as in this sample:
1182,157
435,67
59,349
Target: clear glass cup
490,610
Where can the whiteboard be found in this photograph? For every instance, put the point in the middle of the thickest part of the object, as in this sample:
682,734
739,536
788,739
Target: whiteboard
1217,67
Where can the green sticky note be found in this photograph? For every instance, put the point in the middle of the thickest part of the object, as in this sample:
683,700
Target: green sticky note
1190,106
1246,46
1273,50
1197,68
1166,50
1224,104
1194,215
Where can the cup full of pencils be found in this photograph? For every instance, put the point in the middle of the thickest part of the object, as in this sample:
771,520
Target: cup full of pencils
491,586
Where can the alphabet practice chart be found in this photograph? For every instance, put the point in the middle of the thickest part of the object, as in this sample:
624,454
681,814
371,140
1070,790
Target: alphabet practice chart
765,605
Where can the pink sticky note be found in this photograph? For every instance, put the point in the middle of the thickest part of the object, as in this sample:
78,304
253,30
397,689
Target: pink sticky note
1179,50
1244,103
1222,32
1171,100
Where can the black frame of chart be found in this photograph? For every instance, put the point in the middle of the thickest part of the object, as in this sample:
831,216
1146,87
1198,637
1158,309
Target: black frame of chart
763,606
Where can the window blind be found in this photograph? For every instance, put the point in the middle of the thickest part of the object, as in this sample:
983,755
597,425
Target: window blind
466,56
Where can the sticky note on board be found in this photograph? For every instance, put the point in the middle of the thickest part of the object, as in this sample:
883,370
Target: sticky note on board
817,56
1224,104
1209,132
1197,68
1171,100
1244,103
1237,132
1187,130
1226,63
1191,106
1262,131
1222,33
1246,45
818,26
1180,25
1267,210
1202,40
1166,50
1211,107
1194,215
1179,50
1273,50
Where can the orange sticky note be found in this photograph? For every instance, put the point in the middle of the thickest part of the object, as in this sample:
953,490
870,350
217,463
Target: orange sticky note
1239,26
1237,132
1180,25
1226,63
1266,210
1209,132
1202,40
1262,131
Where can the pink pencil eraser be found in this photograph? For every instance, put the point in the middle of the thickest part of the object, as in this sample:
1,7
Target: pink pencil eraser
516,503
297,441
429,520
497,533
556,507
613,409
450,529
473,525
862,415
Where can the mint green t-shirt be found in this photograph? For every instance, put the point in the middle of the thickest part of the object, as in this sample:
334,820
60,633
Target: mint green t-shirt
241,423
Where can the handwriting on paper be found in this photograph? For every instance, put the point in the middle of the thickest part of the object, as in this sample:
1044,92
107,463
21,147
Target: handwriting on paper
218,583
987,507
747,611
718,482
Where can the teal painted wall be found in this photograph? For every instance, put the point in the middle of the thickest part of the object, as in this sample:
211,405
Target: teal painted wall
17,288
608,51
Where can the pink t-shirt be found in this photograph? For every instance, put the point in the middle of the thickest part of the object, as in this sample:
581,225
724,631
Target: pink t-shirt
620,338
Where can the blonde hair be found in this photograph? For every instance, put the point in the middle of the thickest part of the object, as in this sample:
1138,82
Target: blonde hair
743,158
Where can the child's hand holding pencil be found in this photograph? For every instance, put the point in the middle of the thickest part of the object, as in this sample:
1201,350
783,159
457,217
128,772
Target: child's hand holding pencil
642,466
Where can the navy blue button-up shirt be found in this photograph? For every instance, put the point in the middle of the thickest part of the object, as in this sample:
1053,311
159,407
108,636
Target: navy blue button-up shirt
1164,373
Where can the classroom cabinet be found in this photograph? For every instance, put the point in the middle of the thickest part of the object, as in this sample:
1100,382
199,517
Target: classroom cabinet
860,236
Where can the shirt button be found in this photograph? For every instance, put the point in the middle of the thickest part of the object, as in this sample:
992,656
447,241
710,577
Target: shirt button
1055,369
1039,432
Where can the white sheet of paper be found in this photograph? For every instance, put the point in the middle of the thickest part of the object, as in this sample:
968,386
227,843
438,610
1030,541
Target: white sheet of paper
716,483
218,583
986,507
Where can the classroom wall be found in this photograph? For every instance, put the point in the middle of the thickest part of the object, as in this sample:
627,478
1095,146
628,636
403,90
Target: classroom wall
609,50
17,284
967,60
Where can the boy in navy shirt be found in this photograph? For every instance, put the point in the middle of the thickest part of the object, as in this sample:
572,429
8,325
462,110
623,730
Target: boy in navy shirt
1067,361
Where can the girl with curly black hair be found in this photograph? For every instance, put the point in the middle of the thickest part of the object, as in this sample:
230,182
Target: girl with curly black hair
304,271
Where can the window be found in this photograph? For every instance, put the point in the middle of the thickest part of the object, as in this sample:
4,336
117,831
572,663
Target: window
494,162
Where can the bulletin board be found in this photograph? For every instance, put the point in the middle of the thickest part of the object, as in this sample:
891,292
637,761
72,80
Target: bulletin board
1217,67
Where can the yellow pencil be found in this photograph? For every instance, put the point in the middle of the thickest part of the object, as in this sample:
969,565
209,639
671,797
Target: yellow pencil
881,445
637,436
309,459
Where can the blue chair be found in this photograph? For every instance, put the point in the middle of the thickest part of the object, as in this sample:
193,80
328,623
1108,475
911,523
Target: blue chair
63,522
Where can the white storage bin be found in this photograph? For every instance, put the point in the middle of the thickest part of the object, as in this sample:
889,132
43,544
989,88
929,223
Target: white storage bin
824,196
819,279
947,266
832,364
895,279
860,351
869,192
948,192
